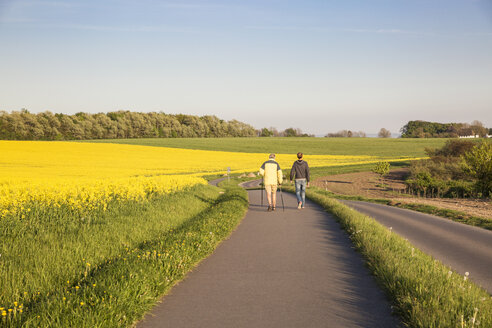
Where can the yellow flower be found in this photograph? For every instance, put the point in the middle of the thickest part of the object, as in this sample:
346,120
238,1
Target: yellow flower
82,303
83,177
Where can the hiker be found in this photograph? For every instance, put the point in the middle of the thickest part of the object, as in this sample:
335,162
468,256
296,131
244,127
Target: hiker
300,172
272,176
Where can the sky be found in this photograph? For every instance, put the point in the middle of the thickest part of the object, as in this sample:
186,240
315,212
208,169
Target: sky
318,65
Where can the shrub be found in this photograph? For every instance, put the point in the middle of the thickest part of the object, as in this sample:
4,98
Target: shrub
451,150
478,163
427,185
381,168
459,189
458,169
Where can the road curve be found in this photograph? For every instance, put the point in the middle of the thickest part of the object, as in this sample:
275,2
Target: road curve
462,247
215,182
292,268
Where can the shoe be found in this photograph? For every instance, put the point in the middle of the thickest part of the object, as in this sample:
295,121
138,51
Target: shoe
299,205
273,208
269,208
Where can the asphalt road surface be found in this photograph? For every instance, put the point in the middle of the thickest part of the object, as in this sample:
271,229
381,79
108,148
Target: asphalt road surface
292,268
462,247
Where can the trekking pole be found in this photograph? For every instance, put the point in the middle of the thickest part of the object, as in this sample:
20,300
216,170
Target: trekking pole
282,197
261,183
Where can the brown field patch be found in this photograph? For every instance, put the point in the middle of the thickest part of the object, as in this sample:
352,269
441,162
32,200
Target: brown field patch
367,184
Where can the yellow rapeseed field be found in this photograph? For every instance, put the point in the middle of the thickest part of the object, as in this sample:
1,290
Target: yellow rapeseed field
85,176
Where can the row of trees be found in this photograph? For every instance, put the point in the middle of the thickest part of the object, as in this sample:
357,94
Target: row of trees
289,132
23,125
423,129
383,133
346,134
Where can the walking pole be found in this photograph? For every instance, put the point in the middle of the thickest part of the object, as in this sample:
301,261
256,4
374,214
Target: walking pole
282,197
261,183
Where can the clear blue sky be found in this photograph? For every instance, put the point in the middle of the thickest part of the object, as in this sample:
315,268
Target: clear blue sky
318,65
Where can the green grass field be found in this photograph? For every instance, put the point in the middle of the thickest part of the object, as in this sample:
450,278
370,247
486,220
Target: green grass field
314,146
107,270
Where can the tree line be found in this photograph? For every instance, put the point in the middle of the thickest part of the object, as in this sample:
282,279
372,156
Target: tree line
23,125
383,133
346,134
289,132
424,129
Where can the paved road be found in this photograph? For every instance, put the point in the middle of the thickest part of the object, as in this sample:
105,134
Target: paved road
462,247
278,269
216,181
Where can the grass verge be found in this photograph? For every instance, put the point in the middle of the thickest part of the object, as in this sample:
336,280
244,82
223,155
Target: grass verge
457,216
117,280
424,292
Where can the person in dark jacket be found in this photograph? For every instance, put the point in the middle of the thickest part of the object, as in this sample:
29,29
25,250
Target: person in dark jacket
300,172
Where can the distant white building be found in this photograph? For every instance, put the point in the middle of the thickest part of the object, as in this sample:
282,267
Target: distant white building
475,136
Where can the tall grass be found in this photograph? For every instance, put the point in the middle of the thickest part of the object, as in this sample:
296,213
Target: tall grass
424,292
109,269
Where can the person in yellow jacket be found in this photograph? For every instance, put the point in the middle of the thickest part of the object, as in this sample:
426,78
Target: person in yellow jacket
272,176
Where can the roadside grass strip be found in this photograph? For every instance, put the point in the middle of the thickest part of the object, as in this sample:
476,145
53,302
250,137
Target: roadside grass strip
423,291
154,245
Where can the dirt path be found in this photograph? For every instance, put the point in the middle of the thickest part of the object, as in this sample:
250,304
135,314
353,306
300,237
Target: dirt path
278,269
366,184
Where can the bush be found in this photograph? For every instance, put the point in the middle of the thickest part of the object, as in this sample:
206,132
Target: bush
451,150
441,170
459,169
478,163
381,168
459,189
424,184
